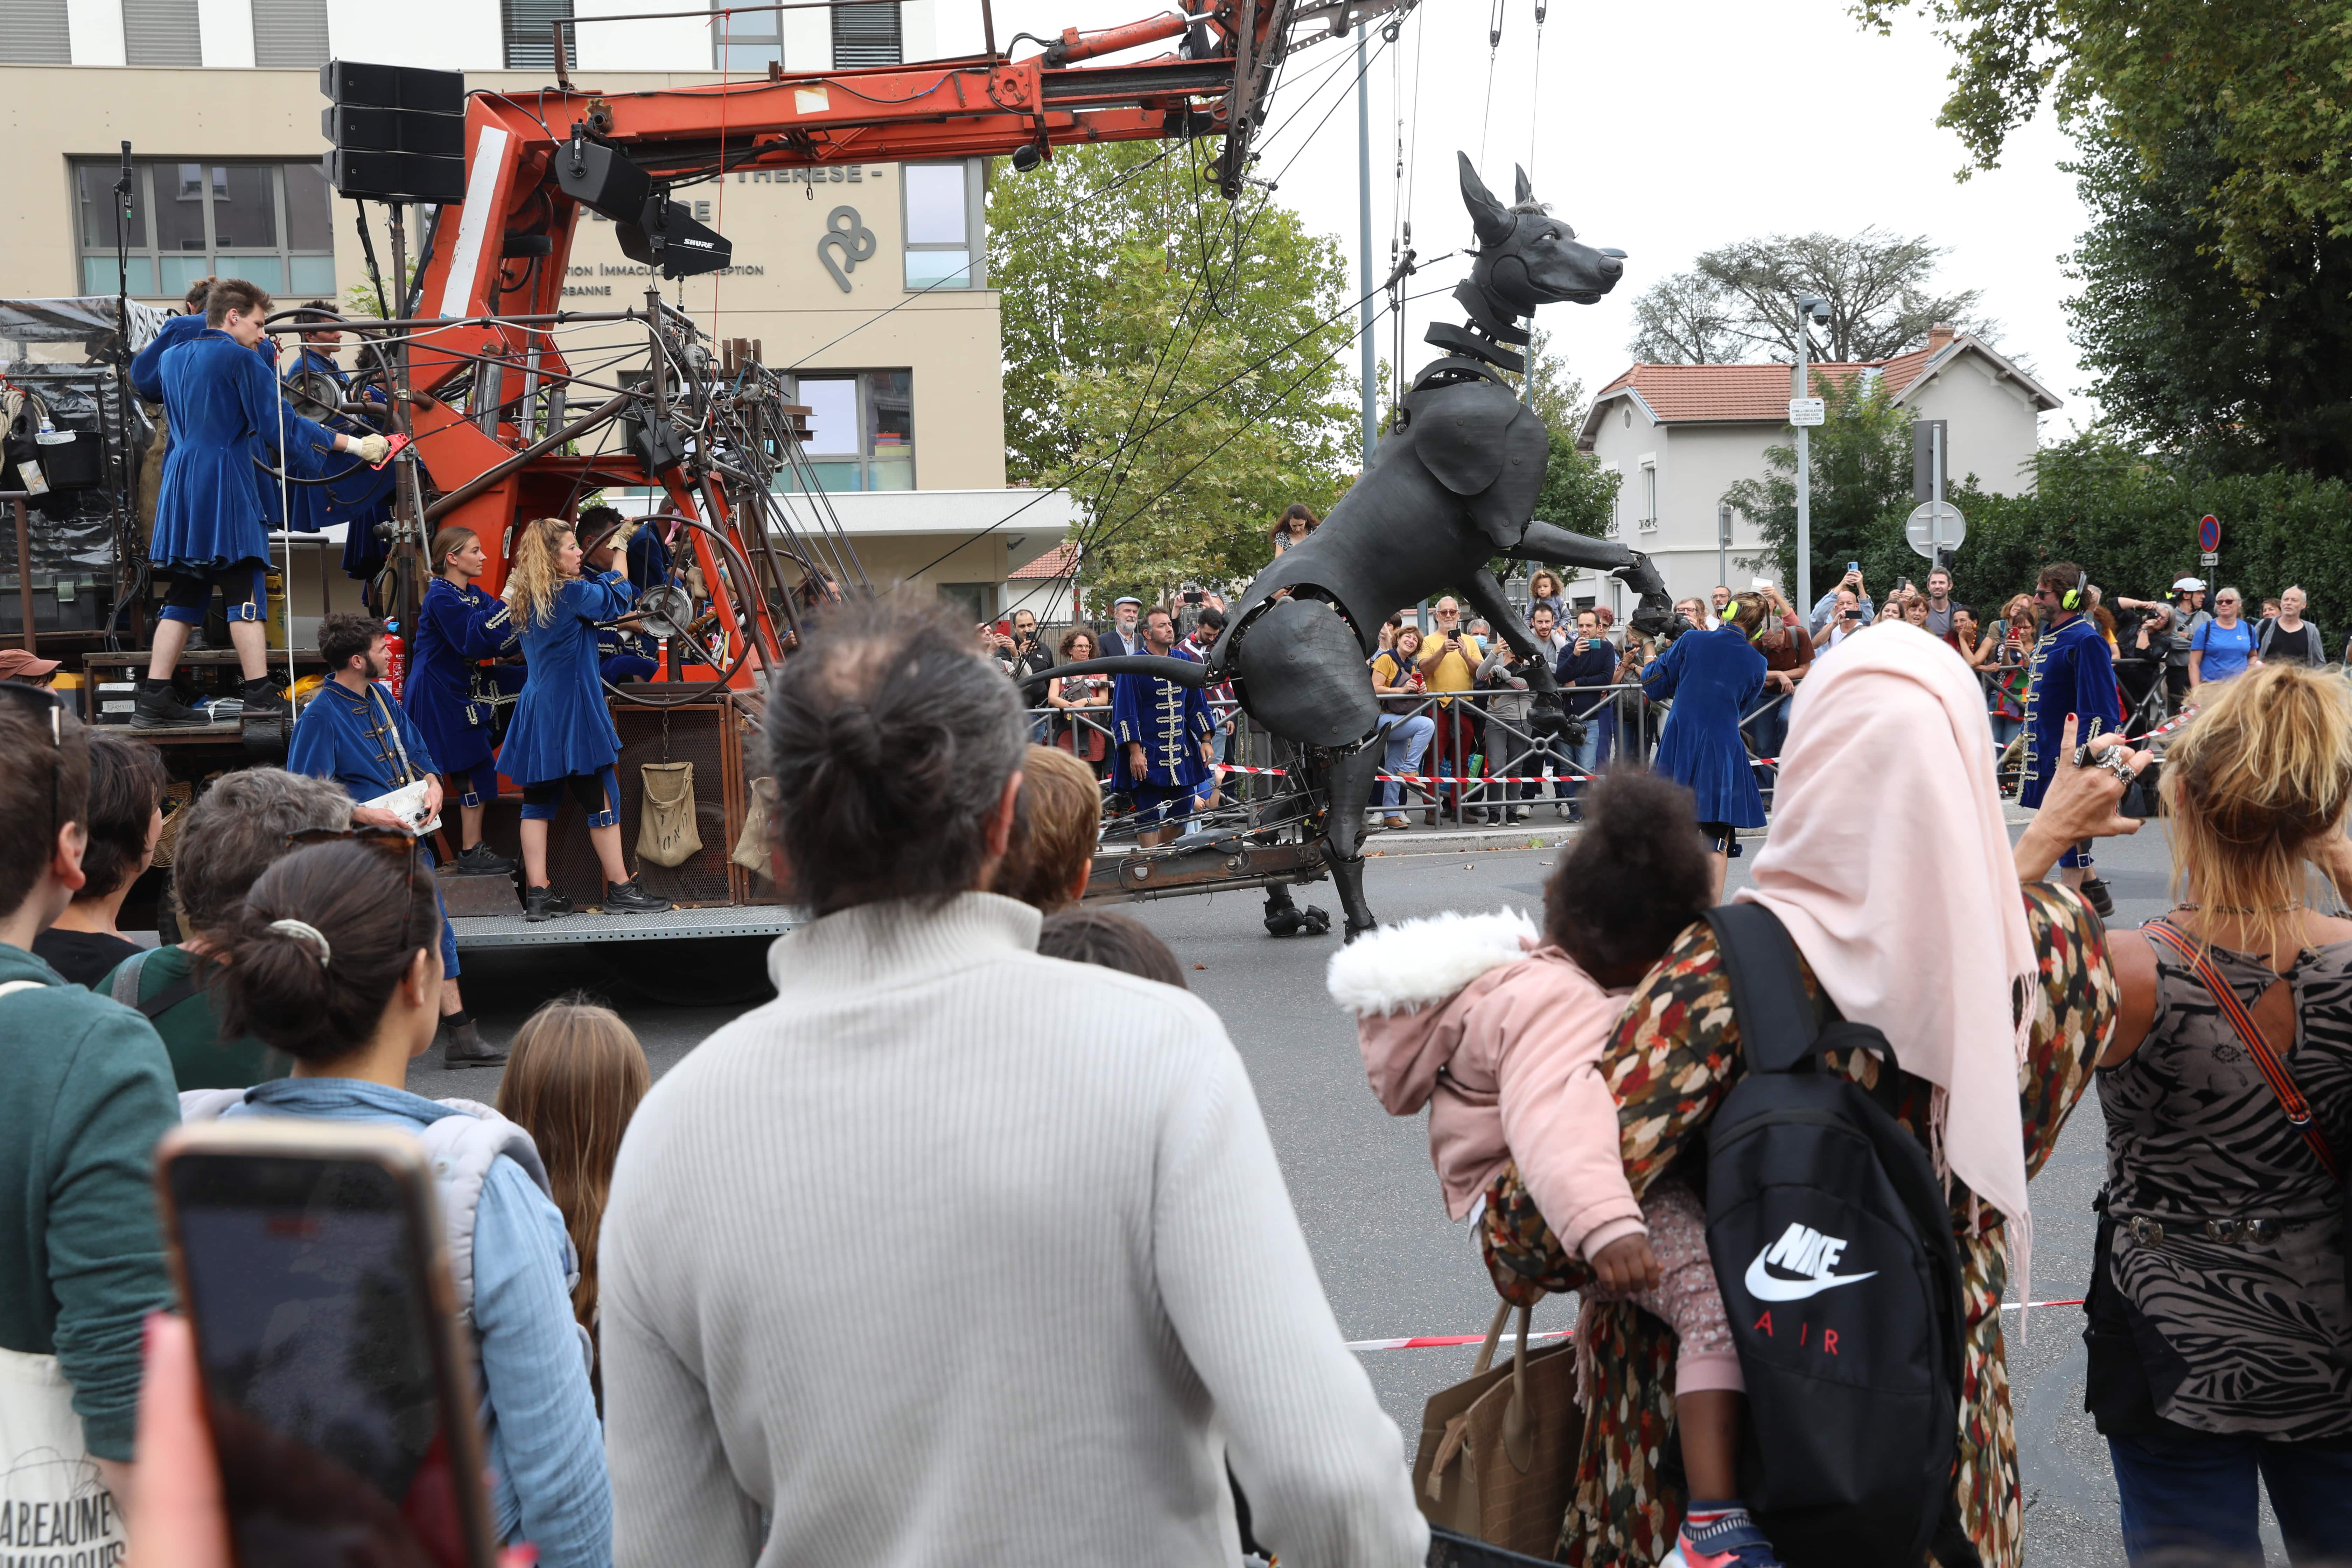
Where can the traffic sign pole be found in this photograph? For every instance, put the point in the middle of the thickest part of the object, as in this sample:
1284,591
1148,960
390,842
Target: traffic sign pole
1804,387
1936,518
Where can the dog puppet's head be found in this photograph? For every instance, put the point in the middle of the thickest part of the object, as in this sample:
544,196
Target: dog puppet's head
1527,257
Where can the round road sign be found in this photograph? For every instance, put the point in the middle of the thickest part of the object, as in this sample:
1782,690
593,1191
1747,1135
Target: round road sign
1922,530
2209,532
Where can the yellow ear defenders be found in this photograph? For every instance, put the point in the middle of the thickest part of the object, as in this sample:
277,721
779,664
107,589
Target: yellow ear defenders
2073,597
1731,614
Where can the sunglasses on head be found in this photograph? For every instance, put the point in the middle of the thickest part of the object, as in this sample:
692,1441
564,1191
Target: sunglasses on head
384,840
48,711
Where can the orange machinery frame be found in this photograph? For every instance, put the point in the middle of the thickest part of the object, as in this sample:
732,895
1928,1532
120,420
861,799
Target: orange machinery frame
488,475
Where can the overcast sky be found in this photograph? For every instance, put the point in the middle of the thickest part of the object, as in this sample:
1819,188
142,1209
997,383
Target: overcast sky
1661,130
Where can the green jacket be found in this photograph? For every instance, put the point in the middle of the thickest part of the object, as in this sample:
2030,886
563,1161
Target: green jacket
200,1057
85,1093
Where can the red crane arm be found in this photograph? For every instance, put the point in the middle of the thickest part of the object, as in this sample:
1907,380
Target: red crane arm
501,254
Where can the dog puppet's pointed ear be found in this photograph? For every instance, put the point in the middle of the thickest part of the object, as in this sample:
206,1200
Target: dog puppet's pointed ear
1527,187
1486,214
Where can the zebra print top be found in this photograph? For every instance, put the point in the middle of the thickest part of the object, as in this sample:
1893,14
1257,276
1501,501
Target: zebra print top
2263,1331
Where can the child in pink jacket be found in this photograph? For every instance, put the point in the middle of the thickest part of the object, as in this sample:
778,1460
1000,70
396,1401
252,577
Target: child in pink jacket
1499,1029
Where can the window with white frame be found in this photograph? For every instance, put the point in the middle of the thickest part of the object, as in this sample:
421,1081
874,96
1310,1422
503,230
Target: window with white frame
946,245
1649,497
270,224
746,42
861,428
1616,500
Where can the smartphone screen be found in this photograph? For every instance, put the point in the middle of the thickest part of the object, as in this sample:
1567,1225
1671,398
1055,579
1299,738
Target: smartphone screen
305,1283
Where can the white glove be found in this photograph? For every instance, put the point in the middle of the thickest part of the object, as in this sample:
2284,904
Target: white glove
626,531
372,449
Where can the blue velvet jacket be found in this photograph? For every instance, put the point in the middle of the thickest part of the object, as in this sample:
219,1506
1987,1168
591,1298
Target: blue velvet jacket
225,410
2073,672
456,629
353,493
561,725
1169,721
357,739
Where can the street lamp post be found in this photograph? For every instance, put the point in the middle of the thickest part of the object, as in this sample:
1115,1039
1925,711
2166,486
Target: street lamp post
1804,412
1364,250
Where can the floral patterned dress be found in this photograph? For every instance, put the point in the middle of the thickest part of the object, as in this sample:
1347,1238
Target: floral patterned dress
1673,1058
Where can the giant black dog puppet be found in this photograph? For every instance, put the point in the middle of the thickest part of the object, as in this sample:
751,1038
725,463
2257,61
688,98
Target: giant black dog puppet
1451,485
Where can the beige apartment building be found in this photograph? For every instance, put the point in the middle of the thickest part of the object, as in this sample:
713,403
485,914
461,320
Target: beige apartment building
898,354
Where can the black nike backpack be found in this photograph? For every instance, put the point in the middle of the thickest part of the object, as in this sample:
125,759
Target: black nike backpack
1833,1244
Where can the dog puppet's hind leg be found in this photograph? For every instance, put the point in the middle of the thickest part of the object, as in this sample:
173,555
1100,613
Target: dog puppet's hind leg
1350,787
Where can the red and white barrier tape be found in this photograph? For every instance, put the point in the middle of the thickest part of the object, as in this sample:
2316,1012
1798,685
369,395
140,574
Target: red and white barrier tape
1447,1342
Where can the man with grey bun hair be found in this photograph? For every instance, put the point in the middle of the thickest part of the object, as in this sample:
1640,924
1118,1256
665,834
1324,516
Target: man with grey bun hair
1043,1189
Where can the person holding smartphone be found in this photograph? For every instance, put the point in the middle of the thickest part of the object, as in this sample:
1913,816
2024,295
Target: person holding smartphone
335,960
1830,607
1847,615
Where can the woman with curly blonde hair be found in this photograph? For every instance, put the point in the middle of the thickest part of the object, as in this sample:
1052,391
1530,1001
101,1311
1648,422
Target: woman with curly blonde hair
561,737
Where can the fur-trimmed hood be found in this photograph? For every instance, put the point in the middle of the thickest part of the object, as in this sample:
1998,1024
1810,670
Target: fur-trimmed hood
1499,1034
1417,964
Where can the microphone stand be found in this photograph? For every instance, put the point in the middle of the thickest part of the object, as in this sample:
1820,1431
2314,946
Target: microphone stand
130,576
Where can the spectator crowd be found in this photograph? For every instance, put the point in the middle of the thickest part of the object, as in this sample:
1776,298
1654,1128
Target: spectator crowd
1090,1327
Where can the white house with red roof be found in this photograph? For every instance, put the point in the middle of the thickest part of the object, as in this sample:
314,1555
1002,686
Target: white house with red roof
1682,435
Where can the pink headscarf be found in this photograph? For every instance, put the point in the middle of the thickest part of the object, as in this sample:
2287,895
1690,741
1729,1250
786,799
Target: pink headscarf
1889,864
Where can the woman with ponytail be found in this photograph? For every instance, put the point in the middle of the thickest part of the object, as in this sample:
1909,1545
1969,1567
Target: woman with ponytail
562,739
458,626
335,959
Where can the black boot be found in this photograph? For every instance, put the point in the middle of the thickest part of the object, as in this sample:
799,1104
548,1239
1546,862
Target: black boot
461,1044
479,861
631,898
2095,894
543,903
262,696
160,707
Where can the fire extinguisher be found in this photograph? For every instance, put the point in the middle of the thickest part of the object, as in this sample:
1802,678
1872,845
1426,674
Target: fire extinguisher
396,657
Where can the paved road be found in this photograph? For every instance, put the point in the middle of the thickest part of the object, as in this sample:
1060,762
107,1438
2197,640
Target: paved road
1390,1261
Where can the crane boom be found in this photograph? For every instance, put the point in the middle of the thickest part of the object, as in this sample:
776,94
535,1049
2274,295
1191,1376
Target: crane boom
489,462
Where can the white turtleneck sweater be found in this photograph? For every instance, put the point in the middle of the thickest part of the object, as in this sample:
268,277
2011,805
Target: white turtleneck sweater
953,1254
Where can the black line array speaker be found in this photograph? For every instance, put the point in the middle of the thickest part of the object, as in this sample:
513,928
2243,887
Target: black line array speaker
398,131
602,179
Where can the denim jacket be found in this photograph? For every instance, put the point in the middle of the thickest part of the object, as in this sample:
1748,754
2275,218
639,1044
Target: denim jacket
545,1447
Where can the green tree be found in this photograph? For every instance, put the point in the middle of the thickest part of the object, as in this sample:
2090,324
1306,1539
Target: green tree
2239,370
1179,363
2130,520
1739,300
1577,494
2268,77
1861,459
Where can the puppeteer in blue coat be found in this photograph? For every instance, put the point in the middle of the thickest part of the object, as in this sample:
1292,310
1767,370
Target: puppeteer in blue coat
349,491
1170,721
1713,678
225,410
2073,671
456,629
561,725
363,742
147,365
